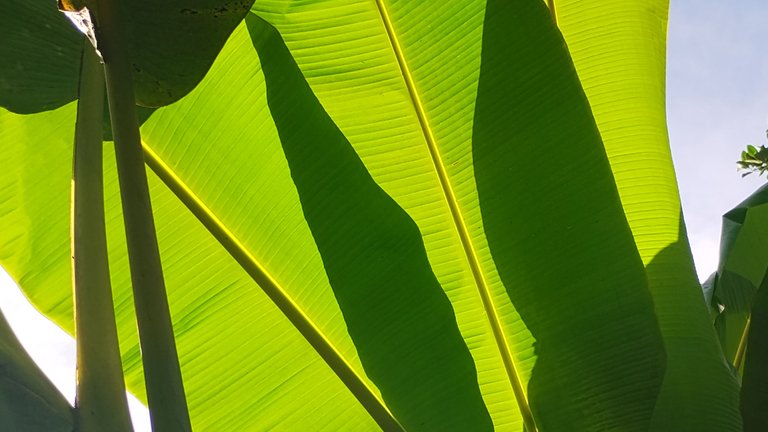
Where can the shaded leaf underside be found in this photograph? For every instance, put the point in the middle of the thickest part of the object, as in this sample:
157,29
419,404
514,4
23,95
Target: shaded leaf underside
740,288
28,400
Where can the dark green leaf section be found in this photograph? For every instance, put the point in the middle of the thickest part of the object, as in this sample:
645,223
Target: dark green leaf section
28,401
697,373
742,268
559,237
730,328
754,389
741,291
401,321
39,56
734,291
745,230
174,43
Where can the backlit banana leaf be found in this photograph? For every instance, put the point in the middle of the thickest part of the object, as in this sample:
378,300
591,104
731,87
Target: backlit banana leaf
402,214
619,49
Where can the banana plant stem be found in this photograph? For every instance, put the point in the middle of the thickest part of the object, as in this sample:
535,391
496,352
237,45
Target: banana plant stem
165,389
100,403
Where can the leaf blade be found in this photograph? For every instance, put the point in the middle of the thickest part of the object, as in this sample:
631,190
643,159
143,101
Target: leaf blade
620,50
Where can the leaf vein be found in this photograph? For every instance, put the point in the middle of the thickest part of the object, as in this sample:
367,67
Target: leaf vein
322,345
460,225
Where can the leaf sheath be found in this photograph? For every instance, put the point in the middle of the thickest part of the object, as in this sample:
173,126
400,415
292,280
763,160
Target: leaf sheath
165,389
101,403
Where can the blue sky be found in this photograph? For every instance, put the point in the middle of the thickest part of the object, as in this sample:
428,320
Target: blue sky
717,103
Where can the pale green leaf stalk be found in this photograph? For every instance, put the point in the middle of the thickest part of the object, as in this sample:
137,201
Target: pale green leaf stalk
165,389
101,403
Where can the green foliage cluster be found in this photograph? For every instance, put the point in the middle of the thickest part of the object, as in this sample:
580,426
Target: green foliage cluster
754,160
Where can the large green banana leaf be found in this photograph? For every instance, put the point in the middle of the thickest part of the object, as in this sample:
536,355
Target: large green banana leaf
434,204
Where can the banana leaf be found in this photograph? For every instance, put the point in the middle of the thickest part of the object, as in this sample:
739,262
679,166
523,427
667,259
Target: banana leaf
740,287
405,214
619,50
173,44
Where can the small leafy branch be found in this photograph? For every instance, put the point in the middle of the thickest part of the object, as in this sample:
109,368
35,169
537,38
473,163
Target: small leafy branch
754,160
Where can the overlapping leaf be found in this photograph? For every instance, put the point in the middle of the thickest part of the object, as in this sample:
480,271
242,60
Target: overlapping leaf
743,254
41,57
173,44
739,297
28,400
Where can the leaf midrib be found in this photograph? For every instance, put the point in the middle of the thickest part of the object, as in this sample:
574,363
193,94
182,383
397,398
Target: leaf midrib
459,223
301,321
